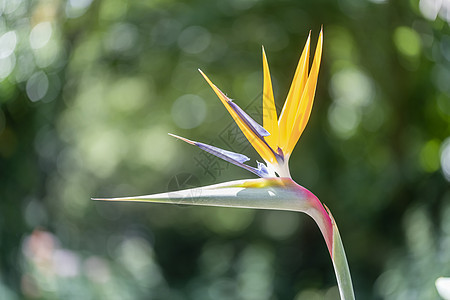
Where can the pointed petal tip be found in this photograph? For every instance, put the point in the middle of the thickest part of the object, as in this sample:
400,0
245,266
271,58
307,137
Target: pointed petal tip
321,36
203,74
105,199
174,135
99,199
182,138
308,42
118,199
218,92
265,63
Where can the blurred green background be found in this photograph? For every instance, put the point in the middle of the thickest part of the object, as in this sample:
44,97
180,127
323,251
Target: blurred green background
90,89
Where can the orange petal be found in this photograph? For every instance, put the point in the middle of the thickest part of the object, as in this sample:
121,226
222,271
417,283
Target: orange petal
288,114
270,122
307,99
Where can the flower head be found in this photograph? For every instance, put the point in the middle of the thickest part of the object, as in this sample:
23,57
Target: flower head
276,139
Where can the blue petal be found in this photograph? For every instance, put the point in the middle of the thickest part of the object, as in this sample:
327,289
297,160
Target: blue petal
258,129
263,169
224,154
236,159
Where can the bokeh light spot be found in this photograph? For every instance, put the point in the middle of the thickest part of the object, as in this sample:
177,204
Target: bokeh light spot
66,263
102,150
165,32
418,227
136,255
155,148
40,35
37,86
96,269
407,41
194,39
129,95
343,119
429,156
122,37
8,43
352,86
188,111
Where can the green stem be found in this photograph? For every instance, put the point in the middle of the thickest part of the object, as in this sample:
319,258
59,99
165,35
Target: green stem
325,221
341,267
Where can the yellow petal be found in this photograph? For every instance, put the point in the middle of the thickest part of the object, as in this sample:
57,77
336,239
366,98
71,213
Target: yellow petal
288,114
307,99
270,122
260,146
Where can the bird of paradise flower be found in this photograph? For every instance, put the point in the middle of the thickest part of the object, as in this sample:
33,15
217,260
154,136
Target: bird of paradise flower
274,142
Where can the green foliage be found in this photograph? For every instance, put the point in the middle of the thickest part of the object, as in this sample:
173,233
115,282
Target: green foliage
89,91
